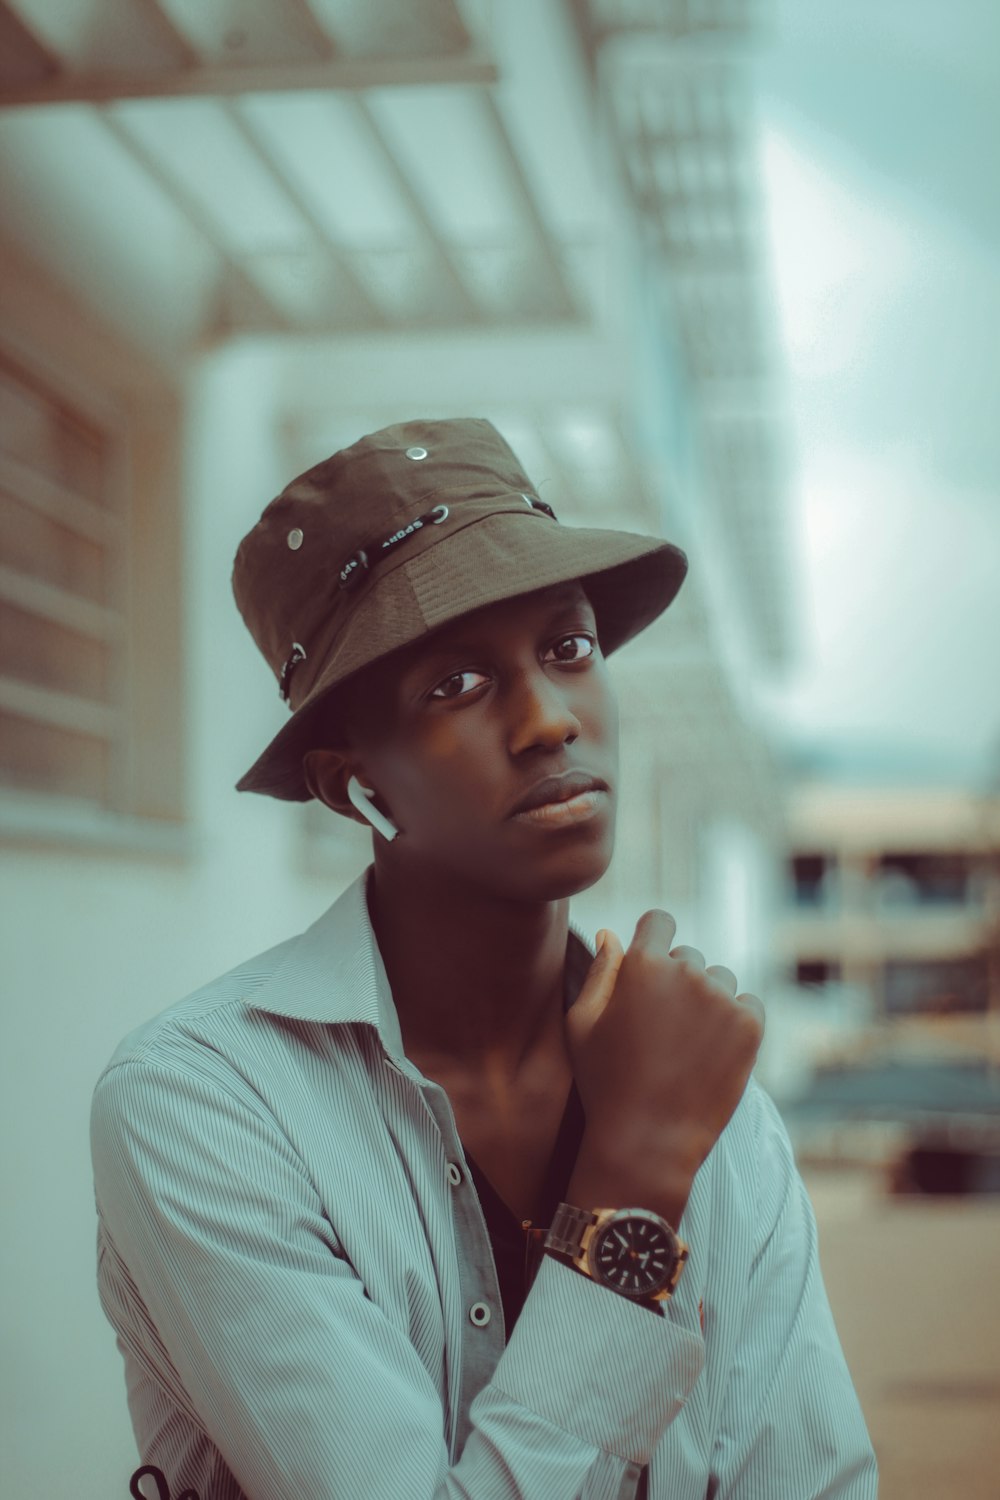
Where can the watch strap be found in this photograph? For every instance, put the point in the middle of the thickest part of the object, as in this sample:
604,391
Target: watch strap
566,1230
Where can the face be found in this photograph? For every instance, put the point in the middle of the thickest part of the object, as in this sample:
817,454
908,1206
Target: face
455,729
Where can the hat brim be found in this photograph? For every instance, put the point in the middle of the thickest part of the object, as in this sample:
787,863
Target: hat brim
629,579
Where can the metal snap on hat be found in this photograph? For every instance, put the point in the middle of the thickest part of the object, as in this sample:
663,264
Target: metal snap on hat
399,534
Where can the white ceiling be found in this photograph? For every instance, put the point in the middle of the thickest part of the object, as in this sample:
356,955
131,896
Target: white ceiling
310,167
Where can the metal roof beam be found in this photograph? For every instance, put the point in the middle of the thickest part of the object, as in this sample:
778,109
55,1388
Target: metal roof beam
187,55
247,31
345,73
23,53
316,31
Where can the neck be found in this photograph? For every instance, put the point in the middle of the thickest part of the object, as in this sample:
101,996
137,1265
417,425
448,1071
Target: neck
477,981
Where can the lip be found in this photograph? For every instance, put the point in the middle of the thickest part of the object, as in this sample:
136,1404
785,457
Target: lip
558,789
553,815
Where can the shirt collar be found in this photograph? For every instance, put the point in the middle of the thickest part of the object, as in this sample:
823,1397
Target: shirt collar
334,973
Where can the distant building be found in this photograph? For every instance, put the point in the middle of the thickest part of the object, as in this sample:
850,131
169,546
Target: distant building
895,891
889,936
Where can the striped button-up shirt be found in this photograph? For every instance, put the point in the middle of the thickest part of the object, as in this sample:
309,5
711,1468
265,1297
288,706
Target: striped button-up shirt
295,1260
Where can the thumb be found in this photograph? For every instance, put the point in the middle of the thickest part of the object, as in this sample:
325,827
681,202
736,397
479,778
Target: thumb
599,983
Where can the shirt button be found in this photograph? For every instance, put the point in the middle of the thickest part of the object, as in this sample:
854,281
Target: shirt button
479,1314
416,452
295,538
454,1174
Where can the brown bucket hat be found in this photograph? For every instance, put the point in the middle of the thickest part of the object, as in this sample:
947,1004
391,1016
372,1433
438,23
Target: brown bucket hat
399,534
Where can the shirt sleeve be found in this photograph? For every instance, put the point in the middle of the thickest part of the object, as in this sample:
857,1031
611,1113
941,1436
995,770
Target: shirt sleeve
262,1333
791,1423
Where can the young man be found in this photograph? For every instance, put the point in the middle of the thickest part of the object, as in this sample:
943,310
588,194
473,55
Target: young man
429,1201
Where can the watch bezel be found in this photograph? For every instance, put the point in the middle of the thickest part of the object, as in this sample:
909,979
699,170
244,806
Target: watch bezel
595,1237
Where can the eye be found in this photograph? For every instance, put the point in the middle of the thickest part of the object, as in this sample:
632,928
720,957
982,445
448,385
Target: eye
440,697
578,636
455,677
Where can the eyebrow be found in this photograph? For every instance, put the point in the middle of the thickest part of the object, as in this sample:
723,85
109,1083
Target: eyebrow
561,605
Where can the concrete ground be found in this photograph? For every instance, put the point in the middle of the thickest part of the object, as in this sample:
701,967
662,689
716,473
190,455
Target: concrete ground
915,1288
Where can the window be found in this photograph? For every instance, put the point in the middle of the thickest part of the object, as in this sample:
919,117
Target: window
816,972
61,624
923,879
937,986
810,878
90,708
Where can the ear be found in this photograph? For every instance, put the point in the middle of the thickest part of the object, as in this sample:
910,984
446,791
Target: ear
327,773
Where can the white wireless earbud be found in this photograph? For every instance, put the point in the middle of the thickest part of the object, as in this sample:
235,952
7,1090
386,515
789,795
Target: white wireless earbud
360,795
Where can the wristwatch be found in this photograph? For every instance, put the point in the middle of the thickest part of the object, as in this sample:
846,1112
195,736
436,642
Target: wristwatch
633,1251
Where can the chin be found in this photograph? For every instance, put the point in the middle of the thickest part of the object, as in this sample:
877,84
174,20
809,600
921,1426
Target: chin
547,866
562,872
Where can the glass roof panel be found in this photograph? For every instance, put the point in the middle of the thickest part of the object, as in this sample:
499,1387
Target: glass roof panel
450,155
330,157
197,144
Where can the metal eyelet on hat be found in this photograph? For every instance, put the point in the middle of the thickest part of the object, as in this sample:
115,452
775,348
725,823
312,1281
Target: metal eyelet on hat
296,655
416,452
539,505
295,538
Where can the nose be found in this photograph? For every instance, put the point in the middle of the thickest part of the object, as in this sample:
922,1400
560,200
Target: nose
540,711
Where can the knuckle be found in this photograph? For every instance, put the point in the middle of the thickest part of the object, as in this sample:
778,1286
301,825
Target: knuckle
725,976
688,969
751,1022
688,954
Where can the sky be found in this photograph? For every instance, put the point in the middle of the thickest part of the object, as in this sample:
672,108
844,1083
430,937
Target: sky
879,162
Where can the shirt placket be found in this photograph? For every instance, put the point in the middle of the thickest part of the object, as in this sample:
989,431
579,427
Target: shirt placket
482,1323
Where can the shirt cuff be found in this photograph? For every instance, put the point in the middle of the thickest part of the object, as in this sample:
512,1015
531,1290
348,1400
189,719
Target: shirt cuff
569,1263
596,1365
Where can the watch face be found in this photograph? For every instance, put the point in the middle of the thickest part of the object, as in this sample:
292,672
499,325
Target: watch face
634,1255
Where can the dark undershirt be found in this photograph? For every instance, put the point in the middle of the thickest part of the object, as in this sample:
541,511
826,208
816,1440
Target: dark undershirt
517,1247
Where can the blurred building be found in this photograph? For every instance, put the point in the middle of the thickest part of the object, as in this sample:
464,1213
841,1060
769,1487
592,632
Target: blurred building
895,891
890,937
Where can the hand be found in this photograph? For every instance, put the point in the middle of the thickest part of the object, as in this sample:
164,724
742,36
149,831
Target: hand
661,1049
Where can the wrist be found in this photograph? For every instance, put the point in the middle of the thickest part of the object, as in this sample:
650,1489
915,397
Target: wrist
623,1174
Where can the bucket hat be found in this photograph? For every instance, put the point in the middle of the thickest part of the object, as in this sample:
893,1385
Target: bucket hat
401,533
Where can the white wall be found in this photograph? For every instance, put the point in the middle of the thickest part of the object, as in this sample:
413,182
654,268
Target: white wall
94,943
